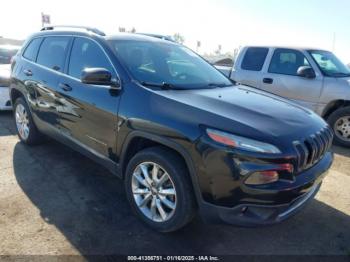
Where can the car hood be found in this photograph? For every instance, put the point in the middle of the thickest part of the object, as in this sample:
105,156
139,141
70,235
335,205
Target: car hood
248,111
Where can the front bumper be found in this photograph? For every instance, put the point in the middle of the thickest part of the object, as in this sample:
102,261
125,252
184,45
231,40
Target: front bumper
5,102
255,215
269,206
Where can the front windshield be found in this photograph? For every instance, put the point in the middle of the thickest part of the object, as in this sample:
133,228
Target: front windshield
6,55
329,64
162,63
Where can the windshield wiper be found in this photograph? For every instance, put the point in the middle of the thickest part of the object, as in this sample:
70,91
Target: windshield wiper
164,85
219,85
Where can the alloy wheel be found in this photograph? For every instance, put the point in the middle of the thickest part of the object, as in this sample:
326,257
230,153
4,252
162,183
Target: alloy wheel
154,191
22,121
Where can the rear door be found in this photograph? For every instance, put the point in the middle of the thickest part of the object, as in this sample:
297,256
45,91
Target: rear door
281,78
248,70
88,113
25,69
41,73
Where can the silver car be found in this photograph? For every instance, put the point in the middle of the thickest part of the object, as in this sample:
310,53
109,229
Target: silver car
314,78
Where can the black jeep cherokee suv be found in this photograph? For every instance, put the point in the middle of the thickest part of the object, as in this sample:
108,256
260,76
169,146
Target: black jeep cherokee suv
179,133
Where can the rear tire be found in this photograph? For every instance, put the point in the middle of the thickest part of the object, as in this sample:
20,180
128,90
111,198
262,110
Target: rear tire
164,203
339,121
27,132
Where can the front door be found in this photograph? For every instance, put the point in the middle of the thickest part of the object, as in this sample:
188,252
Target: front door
281,78
88,113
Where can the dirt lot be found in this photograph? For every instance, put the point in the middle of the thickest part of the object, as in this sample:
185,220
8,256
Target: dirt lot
55,201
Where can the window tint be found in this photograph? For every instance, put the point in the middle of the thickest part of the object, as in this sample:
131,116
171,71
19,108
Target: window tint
32,49
287,62
52,52
254,58
86,54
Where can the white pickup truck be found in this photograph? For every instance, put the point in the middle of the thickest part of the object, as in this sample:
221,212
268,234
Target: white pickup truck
314,78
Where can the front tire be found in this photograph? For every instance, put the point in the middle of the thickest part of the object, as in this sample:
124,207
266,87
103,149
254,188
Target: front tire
25,126
339,121
159,190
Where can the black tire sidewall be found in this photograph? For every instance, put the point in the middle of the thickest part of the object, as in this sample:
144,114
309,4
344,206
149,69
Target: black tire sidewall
332,119
185,203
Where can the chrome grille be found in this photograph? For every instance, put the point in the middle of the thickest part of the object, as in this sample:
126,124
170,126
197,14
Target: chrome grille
313,148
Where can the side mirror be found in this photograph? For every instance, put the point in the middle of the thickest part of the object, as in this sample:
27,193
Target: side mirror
99,76
306,71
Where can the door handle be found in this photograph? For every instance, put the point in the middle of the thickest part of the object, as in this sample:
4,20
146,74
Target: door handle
268,80
28,72
65,87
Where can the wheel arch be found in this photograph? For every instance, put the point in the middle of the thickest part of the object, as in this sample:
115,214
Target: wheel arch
14,94
333,106
138,140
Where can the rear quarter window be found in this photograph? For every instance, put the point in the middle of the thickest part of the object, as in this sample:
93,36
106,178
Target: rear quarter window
254,58
32,49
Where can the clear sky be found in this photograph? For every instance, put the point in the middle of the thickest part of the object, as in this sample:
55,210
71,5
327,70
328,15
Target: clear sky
231,23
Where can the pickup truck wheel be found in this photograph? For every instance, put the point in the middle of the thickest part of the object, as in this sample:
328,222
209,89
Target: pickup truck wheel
159,190
339,120
26,129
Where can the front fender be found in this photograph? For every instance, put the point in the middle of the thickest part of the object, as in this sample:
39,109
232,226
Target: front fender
167,143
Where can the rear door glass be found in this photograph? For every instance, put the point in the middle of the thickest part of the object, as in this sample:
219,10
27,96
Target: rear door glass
53,52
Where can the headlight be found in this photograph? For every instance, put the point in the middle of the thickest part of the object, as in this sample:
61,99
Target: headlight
241,142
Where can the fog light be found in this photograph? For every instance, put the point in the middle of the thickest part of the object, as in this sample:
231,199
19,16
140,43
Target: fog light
262,177
268,176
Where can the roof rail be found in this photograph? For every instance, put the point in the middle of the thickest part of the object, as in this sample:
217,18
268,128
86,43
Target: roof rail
90,29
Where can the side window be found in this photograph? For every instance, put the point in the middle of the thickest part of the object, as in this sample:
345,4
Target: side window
287,62
254,58
32,49
86,54
52,52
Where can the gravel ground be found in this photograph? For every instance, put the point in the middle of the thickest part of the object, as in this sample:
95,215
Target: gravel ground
54,201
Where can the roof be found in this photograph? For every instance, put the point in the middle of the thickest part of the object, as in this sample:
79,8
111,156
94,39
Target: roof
289,47
136,37
164,37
